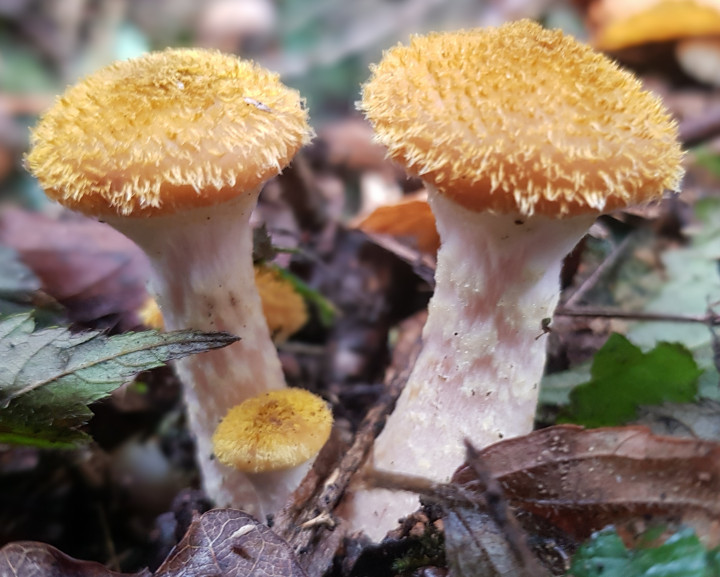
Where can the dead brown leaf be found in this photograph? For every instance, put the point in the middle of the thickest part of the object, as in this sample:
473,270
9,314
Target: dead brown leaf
31,559
582,480
87,266
230,543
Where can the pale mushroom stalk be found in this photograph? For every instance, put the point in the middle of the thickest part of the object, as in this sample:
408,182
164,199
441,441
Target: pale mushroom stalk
477,377
522,137
172,149
203,277
497,280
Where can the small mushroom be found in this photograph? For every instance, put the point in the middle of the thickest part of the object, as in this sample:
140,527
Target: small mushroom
172,149
522,136
274,438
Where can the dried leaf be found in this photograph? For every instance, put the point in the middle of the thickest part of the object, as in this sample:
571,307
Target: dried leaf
50,376
31,559
91,269
15,278
410,219
474,545
582,480
699,420
18,284
229,543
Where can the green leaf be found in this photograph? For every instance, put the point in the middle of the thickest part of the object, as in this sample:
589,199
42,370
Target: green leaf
682,555
709,160
326,310
624,377
49,376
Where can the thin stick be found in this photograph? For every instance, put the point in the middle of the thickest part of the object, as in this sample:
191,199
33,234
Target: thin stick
710,318
593,279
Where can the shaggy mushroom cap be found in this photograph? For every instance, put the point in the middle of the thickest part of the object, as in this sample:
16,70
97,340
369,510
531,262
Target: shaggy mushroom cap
522,119
167,131
273,431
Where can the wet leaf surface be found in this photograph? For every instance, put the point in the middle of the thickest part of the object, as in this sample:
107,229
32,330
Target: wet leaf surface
229,543
582,480
31,559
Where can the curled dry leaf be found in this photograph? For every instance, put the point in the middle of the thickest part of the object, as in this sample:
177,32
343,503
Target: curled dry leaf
31,559
410,220
230,543
582,480
87,266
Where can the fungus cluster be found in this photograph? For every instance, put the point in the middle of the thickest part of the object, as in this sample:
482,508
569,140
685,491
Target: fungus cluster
172,149
522,136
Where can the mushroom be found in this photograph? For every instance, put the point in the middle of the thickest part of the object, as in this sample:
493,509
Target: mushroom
690,27
283,307
274,438
172,149
522,136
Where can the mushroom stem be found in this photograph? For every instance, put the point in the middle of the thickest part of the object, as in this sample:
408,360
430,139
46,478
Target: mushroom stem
275,487
203,279
497,279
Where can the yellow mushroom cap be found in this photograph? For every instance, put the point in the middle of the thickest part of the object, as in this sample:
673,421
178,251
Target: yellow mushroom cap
167,131
150,314
273,431
522,119
619,24
284,308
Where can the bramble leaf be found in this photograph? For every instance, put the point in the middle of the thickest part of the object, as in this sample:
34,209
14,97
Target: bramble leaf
624,377
49,377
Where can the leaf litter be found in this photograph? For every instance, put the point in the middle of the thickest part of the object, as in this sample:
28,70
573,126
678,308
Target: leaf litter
610,500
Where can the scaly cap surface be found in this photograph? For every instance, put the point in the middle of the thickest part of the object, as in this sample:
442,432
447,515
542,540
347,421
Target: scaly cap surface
273,431
167,131
522,119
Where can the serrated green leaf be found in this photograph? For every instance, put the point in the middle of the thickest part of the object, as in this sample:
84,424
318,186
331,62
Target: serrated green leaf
50,376
682,555
624,377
